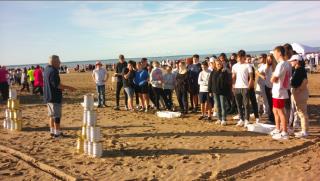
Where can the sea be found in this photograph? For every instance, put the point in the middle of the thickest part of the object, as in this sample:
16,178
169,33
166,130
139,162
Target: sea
72,64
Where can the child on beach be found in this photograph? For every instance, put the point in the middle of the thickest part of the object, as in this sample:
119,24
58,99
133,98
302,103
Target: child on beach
204,98
100,76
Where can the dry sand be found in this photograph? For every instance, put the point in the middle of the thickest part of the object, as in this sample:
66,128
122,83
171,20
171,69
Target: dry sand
141,146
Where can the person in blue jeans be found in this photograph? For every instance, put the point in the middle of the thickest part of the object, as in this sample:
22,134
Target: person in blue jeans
100,76
219,86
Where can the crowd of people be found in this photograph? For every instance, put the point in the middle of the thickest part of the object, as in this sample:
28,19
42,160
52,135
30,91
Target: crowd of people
272,85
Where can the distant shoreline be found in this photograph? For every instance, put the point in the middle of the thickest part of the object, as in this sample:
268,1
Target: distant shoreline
111,61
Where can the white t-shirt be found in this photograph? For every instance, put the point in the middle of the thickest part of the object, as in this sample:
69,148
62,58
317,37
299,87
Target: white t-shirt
203,80
100,75
242,72
283,71
260,81
268,74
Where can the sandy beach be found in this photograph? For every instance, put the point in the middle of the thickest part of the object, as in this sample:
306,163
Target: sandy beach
141,146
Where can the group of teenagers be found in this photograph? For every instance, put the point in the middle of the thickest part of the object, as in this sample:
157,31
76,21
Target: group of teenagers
277,84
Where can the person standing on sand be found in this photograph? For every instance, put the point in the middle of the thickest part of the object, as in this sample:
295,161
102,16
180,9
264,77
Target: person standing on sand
260,91
156,80
219,88
181,88
4,86
281,80
38,81
141,84
100,76
242,77
31,78
121,65
128,85
195,69
24,80
53,95
169,80
300,93
205,102
265,72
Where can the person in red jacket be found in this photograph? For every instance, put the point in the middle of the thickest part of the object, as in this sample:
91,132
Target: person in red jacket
38,80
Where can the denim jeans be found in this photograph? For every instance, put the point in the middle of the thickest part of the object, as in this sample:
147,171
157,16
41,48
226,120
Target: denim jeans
168,95
242,99
101,94
254,103
220,101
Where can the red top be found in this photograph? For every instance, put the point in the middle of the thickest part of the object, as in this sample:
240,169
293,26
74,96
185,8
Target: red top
38,78
3,75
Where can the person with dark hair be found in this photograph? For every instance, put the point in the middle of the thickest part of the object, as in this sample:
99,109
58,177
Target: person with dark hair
251,91
300,93
242,77
195,70
141,83
24,80
204,98
4,86
182,84
128,84
281,84
121,65
169,81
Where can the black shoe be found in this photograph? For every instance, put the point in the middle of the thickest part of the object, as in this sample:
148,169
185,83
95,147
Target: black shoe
100,106
116,108
201,117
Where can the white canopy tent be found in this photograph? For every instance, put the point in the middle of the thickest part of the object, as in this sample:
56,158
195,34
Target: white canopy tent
304,49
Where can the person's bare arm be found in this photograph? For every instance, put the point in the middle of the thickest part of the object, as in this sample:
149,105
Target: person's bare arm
251,81
93,77
274,79
233,78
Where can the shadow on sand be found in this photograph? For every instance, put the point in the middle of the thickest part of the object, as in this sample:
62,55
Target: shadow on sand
137,152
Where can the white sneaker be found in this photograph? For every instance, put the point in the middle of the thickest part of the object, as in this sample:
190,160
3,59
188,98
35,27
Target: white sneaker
252,115
257,120
281,136
218,122
214,114
240,123
275,131
236,117
223,123
301,134
246,122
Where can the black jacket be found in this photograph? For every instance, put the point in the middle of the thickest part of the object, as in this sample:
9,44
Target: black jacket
219,82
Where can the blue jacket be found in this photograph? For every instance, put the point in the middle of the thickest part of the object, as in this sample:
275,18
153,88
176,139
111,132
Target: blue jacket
141,77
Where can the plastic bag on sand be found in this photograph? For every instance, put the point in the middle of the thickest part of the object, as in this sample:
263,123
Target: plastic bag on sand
261,128
168,114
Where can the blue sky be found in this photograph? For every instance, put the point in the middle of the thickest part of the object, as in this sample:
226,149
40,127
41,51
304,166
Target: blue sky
83,30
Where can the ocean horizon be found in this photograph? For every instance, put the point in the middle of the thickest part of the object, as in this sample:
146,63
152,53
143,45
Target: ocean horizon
111,61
